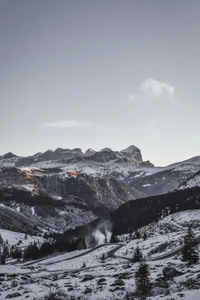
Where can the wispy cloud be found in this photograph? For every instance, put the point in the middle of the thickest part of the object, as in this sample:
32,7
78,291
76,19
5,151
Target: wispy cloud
157,88
69,124
76,124
152,88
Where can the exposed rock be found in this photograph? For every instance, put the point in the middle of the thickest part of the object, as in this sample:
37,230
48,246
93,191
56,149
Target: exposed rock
9,155
101,281
119,282
14,295
87,277
134,152
87,290
162,283
170,272
89,151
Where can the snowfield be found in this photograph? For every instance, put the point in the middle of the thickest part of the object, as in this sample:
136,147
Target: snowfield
87,275
15,238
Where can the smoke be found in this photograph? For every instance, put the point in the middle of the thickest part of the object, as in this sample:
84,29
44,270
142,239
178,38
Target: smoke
100,235
108,235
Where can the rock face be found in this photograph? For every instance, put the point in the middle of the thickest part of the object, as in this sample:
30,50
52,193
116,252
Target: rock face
131,155
132,152
51,194
171,272
89,151
97,194
125,166
9,155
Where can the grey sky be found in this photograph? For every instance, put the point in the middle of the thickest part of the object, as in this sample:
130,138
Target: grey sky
107,73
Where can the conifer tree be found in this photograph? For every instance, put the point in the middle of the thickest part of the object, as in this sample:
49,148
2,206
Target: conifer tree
137,256
144,236
1,240
103,258
114,239
190,249
143,284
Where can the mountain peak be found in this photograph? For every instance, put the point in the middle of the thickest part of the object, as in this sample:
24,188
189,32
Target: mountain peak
9,155
133,151
89,151
106,149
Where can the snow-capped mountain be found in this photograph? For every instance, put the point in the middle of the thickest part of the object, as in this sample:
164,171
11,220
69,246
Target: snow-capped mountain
126,166
94,182
62,156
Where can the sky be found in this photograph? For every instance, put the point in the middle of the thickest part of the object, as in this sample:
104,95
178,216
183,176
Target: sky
110,73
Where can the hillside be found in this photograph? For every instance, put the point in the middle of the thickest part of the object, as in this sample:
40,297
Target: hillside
83,274
190,182
140,212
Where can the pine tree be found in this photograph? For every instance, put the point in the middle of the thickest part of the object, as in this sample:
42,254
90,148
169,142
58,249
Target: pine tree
103,258
16,253
3,260
3,256
144,236
114,239
143,284
1,240
31,252
137,256
190,249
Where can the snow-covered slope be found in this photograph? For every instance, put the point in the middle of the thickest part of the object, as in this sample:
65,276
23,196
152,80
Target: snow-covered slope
85,275
18,238
193,181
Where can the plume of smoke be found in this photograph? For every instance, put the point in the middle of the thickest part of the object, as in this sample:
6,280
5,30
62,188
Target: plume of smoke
100,235
108,235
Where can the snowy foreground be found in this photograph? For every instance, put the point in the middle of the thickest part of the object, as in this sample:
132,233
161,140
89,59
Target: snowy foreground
85,275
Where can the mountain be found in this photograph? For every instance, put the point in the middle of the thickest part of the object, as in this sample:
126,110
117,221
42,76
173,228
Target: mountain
92,183
50,158
52,199
126,166
85,199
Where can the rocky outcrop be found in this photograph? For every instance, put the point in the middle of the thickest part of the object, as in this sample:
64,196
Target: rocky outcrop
9,155
133,153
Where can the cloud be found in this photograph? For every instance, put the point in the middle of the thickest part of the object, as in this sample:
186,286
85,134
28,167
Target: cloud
157,88
76,124
152,88
69,124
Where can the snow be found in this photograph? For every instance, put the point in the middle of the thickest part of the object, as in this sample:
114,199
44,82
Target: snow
69,271
28,187
192,182
33,211
13,238
57,197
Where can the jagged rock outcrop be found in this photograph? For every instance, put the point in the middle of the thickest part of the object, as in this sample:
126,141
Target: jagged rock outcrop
132,152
